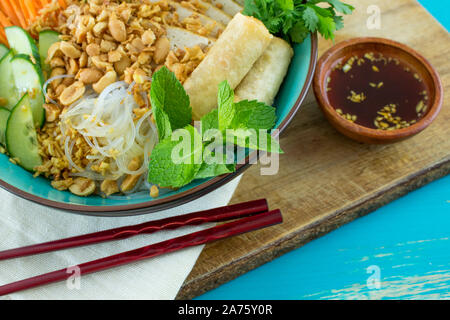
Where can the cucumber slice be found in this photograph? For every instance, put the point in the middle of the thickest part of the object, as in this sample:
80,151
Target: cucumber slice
28,79
22,43
46,39
21,138
7,85
3,50
4,115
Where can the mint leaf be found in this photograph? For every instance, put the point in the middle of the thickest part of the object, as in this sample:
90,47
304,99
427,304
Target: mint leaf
175,161
214,170
162,123
162,171
215,164
226,109
253,115
210,121
168,94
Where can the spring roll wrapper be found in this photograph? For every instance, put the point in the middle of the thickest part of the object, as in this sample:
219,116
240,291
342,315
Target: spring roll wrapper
240,45
266,76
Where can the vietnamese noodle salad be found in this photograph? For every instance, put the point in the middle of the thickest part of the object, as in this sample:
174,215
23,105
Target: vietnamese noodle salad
112,97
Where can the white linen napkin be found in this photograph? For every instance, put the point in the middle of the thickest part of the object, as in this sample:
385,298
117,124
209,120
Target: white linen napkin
23,223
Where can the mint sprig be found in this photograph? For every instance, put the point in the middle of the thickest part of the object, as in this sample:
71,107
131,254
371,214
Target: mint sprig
244,120
253,115
293,20
210,121
162,123
202,155
253,139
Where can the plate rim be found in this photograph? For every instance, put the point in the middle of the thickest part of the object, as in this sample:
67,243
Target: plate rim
177,199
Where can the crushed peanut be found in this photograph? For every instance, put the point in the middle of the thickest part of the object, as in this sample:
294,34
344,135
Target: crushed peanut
154,191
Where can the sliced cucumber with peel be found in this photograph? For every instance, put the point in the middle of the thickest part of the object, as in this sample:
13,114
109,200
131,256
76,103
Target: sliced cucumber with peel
3,50
8,91
21,137
46,39
22,43
28,79
4,115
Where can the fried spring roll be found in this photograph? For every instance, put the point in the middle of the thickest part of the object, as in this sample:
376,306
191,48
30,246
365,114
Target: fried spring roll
230,58
266,76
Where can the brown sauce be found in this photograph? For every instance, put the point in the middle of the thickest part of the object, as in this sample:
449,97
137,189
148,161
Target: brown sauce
377,92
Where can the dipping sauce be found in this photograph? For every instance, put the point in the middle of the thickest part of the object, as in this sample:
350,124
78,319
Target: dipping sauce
377,92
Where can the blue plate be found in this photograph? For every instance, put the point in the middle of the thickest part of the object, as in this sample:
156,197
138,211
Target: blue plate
291,95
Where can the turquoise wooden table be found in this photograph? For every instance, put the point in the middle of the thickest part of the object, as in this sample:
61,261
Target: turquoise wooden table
402,250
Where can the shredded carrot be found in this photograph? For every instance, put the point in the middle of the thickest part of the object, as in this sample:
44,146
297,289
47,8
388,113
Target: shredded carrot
45,2
4,20
7,9
31,9
15,6
39,4
25,13
62,3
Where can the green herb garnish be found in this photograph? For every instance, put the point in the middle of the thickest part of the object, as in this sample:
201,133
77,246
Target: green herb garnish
238,124
244,120
293,20
254,115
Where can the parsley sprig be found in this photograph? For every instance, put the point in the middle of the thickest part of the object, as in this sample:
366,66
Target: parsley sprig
293,20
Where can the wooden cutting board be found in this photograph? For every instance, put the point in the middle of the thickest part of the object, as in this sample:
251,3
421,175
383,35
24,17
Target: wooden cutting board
326,180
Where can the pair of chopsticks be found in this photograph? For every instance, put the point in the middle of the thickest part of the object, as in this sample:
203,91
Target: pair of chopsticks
249,216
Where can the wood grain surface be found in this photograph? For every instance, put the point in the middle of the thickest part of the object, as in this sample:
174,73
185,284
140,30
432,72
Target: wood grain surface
326,180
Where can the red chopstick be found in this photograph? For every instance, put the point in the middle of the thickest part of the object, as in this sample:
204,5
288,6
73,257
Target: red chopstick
213,215
197,238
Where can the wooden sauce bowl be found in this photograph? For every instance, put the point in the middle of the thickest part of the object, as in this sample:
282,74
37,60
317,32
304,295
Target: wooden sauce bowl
343,51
